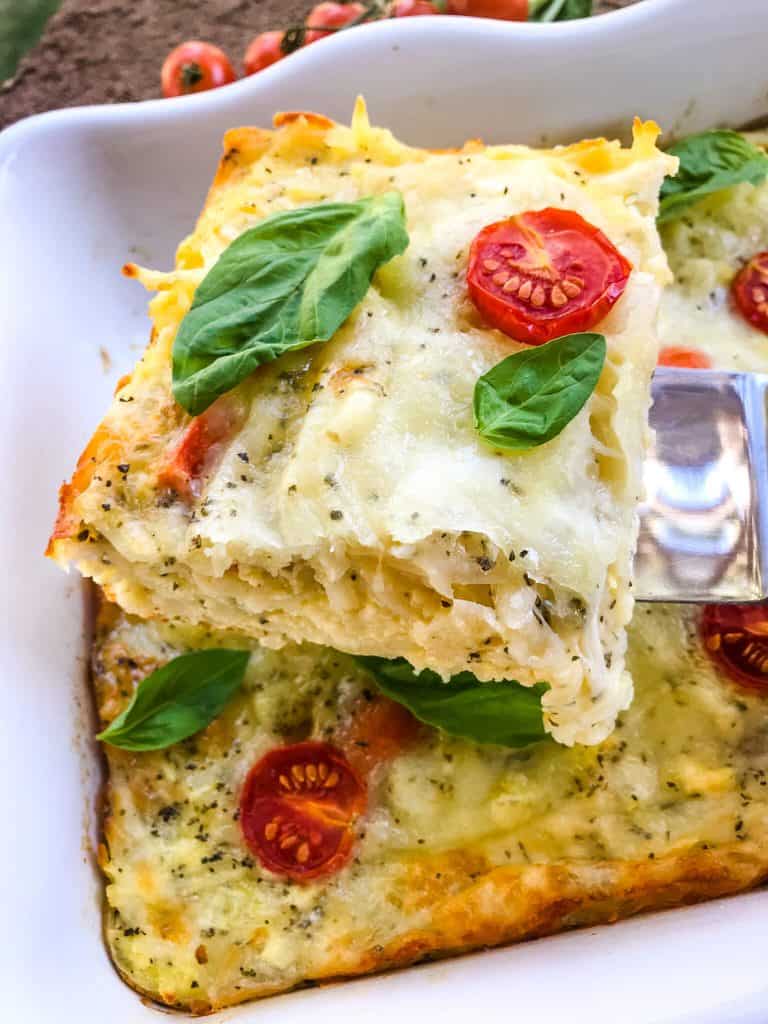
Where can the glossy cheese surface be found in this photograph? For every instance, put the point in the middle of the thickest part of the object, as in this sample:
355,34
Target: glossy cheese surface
706,248
355,505
462,845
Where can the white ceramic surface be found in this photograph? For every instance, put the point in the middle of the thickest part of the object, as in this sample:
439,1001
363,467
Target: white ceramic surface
83,190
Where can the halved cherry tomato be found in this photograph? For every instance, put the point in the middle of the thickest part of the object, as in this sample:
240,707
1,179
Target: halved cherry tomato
377,730
263,50
542,274
200,446
503,10
750,291
684,357
412,8
195,67
298,809
326,17
736,637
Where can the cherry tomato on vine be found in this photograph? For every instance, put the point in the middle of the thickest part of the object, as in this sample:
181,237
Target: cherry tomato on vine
504,10
195,67
325,18
263,50
412,8
545,273
298,809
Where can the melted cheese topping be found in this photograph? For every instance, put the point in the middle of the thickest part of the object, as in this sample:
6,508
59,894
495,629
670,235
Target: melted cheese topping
194,920
358,507
707,247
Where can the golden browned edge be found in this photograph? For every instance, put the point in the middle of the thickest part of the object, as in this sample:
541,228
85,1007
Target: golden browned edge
473,905
513,904
241,146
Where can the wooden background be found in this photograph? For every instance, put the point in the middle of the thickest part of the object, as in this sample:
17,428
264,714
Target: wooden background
108,51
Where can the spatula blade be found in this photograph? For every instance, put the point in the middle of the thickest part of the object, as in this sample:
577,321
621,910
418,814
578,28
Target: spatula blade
704,521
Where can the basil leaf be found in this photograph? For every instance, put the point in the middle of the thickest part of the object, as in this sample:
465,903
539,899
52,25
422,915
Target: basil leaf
709,162
505,713
558,10
286,283
529,397
177,700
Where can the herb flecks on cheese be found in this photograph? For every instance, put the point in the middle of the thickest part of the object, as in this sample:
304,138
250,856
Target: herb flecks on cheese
287,283
707,247
352,502
461,845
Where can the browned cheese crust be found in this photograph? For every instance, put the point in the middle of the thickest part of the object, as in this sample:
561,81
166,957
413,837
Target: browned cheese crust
399,902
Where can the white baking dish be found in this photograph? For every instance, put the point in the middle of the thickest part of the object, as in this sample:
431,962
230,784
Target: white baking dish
83,190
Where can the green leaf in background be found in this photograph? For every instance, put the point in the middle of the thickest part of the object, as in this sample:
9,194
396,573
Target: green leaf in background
21,25
177,700
530,396
504,713
709,162
559,10
288,282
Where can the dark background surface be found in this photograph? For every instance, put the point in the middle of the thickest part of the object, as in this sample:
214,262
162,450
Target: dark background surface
110,51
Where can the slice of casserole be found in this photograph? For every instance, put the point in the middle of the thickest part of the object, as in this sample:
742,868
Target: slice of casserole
459,846
707,247
341,494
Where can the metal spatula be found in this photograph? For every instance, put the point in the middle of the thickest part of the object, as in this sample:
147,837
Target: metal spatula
704,523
